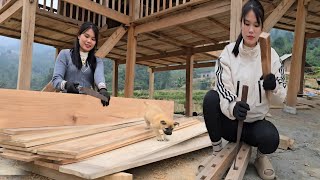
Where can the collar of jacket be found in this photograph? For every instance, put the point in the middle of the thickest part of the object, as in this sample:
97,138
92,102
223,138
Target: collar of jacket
249,52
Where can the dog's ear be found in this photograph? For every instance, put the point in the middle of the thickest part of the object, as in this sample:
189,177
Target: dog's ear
163,122
176,124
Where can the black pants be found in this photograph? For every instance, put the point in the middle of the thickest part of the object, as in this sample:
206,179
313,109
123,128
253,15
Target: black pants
262,134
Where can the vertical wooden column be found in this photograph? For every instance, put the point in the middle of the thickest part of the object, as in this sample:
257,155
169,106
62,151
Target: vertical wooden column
235,23
130,62
189,79
27,37
295,69
134,9
151,83
303,66
115,78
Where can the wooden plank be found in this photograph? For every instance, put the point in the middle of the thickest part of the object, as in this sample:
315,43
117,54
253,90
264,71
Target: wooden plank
27,37
19,157
200,12
5,5
219,165
208,48
54,174
265,46
243,158
130,62
189,80
276,14
285,142
85,147
22,153
95,7
111,42
235,17
118,162
297,50
29,140
10,11
82,109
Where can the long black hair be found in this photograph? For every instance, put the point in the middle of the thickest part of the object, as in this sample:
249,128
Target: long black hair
75,51
258,10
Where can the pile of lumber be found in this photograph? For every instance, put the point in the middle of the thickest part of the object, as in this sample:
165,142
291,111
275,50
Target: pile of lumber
86,139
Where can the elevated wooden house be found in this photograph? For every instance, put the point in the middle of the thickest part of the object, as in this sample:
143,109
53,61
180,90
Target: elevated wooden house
161,34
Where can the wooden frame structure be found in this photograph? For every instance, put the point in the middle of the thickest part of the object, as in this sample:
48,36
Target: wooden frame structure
161,34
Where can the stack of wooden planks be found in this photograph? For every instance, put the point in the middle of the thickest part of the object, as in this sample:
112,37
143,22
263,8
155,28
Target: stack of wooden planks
62,131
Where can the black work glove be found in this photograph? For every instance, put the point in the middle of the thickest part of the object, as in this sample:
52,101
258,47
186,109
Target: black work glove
71,87
105,93
270,82
240,110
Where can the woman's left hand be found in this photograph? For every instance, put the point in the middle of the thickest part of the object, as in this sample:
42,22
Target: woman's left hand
105,93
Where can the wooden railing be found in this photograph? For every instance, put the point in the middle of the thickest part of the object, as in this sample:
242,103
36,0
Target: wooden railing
80,14
150,7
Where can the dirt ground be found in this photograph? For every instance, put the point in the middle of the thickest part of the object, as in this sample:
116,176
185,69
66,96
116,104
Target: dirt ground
300,163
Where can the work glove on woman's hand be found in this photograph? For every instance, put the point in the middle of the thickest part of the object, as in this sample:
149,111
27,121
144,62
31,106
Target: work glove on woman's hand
240,110
270,82
105,93
71,87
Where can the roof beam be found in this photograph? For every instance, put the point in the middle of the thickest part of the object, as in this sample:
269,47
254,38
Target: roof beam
10,11
216,7
276,15
221,25
313,35
178,67
210,40
99,9
183,52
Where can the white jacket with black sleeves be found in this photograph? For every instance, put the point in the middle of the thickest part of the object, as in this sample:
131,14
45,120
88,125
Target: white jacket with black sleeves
245,69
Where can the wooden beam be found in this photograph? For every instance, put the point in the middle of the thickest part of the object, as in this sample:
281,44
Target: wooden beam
219,165
276,15
221,25
199,35
115,78
265,46
26,44
151,83
102,10
111,42
209,48
211,9
10,11
304,53
178,67
130,62
189,80
165,39
313,35
297,50
235,19
243,158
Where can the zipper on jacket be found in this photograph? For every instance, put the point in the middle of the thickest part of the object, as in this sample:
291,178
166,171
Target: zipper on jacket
259,91
238,84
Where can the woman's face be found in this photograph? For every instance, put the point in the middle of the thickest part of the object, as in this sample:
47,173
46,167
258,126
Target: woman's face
250,29
87,40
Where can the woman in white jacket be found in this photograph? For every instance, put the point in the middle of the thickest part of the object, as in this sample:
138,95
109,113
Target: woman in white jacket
240,64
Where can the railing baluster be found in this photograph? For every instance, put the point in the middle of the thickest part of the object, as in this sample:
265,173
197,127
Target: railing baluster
170,3
113,4
51,6
152,6
89,16
83,13
71,10
177,2
59,7
77,13
44,5
184,1
164,5
64,8
141,8
119,5
158,5
125,7
147,7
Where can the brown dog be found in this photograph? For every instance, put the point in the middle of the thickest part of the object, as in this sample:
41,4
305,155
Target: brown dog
159,122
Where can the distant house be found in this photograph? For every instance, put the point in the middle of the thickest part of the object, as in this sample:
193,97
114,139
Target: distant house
207,75
286,61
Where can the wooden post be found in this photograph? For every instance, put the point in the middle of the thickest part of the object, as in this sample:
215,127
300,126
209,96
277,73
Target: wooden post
115,78
27,37
303,66
235,23
295,69
130,62
189,78
151,83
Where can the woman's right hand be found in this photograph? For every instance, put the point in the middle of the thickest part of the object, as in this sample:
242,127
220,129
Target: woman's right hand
72,87
240,110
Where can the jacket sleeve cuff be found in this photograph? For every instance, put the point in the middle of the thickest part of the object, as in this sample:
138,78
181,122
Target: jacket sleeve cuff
231,106
62,85
102,85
